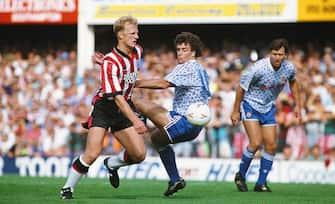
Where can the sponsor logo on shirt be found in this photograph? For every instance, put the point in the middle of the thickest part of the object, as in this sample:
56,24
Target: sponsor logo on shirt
130,77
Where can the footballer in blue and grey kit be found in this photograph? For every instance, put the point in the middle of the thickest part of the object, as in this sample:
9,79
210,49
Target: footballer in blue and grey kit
190,81
262,84
191,86
255,99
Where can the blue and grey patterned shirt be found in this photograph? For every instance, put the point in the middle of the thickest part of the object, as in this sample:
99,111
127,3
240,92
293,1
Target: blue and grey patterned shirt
191,81
262,84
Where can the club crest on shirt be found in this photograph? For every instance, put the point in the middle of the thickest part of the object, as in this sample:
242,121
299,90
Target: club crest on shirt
248,114
283,80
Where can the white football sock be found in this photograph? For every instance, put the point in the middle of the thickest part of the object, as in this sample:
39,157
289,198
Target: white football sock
74,176
117,161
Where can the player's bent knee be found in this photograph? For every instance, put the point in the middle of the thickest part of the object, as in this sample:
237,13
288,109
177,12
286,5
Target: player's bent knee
138,157
253,146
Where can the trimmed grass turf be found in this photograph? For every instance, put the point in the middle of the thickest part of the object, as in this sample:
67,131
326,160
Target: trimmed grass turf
26,190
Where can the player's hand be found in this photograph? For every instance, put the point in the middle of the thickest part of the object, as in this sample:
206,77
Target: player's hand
235,118
298,114
97,58
139,126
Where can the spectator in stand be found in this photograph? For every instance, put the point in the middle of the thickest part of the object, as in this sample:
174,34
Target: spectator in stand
220,146
332,155
53,142
226,92
315,153
77,139
29,75
7,142
287,152
282,109
32,137
315,121
329,131
296,136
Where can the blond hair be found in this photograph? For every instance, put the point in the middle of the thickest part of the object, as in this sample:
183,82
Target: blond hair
121,22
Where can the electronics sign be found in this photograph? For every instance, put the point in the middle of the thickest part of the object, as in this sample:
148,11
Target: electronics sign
38,11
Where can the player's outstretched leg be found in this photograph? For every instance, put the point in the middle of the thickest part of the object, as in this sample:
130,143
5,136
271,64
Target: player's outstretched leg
240,182
174,187
114,179
168,158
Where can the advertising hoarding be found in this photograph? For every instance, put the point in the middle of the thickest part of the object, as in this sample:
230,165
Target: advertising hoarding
316,10
38,11
198,11
151,168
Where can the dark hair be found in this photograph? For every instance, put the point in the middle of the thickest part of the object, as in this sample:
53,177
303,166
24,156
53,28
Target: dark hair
287,146
278,43
192,39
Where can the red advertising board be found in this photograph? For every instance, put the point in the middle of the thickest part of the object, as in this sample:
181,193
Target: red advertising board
38,11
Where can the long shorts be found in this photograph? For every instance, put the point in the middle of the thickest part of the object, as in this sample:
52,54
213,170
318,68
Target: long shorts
179,129
265,119
107,114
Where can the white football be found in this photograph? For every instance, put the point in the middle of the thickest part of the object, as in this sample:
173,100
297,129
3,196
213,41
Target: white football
198,114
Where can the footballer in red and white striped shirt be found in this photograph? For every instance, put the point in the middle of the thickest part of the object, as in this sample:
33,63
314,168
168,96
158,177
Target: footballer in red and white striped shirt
119,72
113,109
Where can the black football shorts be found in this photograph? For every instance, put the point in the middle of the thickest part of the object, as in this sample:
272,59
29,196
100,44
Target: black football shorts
107,114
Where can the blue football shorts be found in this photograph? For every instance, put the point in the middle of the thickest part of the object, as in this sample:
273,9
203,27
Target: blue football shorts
179,129
265,119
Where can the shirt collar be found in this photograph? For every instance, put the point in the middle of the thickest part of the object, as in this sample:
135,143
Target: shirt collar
124,54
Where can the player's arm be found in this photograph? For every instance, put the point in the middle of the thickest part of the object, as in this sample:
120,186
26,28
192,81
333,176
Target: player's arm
97,58
294,86
245,81
129,113
153,84
235,116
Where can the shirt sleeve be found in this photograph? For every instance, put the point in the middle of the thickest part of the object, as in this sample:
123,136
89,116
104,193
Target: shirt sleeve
110,78
247,78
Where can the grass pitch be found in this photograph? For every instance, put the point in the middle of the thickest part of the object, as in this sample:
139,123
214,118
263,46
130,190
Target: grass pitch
26,190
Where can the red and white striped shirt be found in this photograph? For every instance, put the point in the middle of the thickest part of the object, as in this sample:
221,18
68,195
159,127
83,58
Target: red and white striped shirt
118,73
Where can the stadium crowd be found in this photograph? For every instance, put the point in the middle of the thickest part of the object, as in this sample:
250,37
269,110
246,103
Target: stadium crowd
43,102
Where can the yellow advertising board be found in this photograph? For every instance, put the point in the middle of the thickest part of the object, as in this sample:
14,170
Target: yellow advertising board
199,11
316,10
191,10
